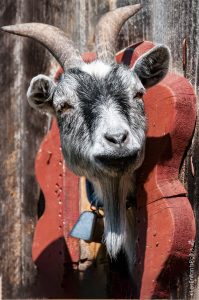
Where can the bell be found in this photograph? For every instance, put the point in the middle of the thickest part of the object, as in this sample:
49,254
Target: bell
89,227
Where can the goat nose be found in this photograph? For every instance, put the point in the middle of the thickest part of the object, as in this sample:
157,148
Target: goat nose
118,138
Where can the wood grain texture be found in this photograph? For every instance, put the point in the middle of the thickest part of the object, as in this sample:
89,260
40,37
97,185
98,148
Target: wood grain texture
161,21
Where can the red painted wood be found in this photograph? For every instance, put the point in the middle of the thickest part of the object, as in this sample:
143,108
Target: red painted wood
165,220
129,55
169,228
53,251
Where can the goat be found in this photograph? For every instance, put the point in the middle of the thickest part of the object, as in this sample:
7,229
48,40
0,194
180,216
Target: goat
100,115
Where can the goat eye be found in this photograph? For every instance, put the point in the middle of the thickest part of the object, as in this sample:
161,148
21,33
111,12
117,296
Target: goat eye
139,95
65,107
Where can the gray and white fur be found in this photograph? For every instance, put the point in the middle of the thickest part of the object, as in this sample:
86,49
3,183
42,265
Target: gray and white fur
101,118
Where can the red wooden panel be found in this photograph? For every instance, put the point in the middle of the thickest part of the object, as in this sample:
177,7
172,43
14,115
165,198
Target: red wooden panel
165,240
165,220
54,252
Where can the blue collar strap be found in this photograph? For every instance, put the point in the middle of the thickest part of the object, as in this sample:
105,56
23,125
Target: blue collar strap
96,202
92,198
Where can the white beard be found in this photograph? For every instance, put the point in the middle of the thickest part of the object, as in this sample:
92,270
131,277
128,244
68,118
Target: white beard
119,222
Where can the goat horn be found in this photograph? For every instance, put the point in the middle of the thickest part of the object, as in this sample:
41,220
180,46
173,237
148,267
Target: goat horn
54,39
108,28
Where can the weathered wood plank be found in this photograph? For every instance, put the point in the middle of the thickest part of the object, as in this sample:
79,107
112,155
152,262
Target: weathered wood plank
21,133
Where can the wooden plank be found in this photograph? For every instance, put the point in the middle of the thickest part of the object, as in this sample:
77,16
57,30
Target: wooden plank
10,159
21,133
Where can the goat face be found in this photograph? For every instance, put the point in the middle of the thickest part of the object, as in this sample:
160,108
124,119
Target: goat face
100,113
100,116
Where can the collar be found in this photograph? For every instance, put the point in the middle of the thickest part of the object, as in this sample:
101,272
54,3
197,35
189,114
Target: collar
97,203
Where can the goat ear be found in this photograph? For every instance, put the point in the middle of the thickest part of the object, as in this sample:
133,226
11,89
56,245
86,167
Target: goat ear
152,66
40,93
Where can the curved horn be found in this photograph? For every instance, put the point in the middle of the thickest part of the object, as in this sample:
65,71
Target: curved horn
54,39
108,28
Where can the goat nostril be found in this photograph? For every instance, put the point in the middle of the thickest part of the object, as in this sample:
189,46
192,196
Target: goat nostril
111,139
117,138
124,137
